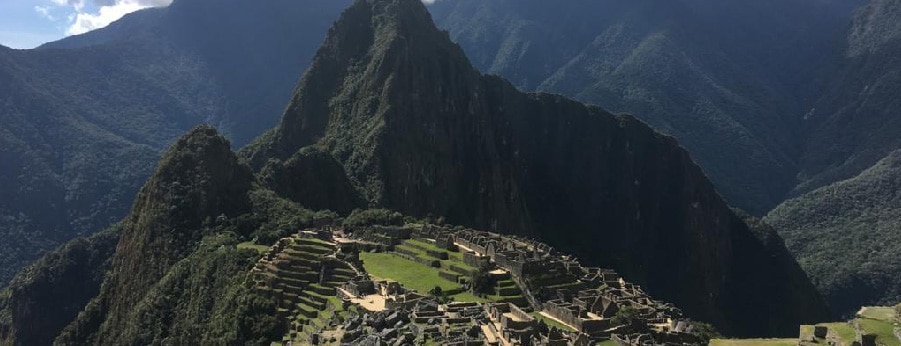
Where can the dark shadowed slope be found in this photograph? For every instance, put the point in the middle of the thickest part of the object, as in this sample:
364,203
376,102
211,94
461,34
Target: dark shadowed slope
85,118
419,130
729,79
846,236
857,120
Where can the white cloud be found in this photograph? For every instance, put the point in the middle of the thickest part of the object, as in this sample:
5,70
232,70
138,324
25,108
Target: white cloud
44,11
107,12
87,15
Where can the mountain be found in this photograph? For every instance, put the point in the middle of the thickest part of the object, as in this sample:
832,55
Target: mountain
840,226
169,273
845,235
730,80
419,130
855,121
48,294
85,117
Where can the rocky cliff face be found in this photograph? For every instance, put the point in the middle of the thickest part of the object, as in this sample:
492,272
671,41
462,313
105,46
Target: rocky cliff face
418,130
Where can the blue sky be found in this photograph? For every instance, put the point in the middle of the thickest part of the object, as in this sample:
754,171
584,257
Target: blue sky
29,23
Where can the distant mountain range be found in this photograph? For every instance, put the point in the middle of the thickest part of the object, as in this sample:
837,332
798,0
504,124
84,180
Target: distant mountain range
85,118
774,99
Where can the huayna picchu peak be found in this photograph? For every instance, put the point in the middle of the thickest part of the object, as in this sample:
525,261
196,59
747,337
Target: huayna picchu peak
418,130
405,198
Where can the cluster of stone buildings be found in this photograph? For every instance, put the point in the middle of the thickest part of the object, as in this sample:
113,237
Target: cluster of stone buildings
547,282
584,298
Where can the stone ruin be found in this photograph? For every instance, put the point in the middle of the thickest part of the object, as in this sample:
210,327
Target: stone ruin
544,281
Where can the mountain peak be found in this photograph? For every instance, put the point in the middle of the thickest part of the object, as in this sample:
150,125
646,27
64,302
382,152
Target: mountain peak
418,130
198,181
392,45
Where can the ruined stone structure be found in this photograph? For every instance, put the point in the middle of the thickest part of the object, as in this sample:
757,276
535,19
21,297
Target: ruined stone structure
530,278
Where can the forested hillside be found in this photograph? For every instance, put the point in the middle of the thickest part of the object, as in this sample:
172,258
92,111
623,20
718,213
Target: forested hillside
85,118
846,237
730,80
418,130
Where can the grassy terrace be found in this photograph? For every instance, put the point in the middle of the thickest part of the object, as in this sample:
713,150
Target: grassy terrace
884,331
411,274
881,313
844,331
754,342
551,323
455,257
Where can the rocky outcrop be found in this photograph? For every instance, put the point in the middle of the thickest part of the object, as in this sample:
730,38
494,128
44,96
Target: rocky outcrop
418,130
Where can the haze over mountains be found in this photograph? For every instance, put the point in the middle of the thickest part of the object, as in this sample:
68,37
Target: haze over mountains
773,99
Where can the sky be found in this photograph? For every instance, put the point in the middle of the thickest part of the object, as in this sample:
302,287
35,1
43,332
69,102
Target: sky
30,23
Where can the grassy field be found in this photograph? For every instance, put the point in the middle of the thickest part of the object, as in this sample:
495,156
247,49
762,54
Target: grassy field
411,274
882,329
754,342
844,331
551,322
878,313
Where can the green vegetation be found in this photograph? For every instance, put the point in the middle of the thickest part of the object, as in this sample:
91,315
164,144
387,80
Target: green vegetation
754,342
551,322
62,281
404,154
368,217
880,313
411,274
846,237
844,331
607,343
256,247
884,331
84,125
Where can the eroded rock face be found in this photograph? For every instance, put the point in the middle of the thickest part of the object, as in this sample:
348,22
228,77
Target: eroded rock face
418,130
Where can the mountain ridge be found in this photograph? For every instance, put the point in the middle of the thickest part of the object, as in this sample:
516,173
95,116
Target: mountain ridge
86,117
504,160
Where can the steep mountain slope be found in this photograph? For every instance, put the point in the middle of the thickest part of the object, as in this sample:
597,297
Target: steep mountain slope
47,295
728,79
419,130
845,235
856,121
176,276
84,118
